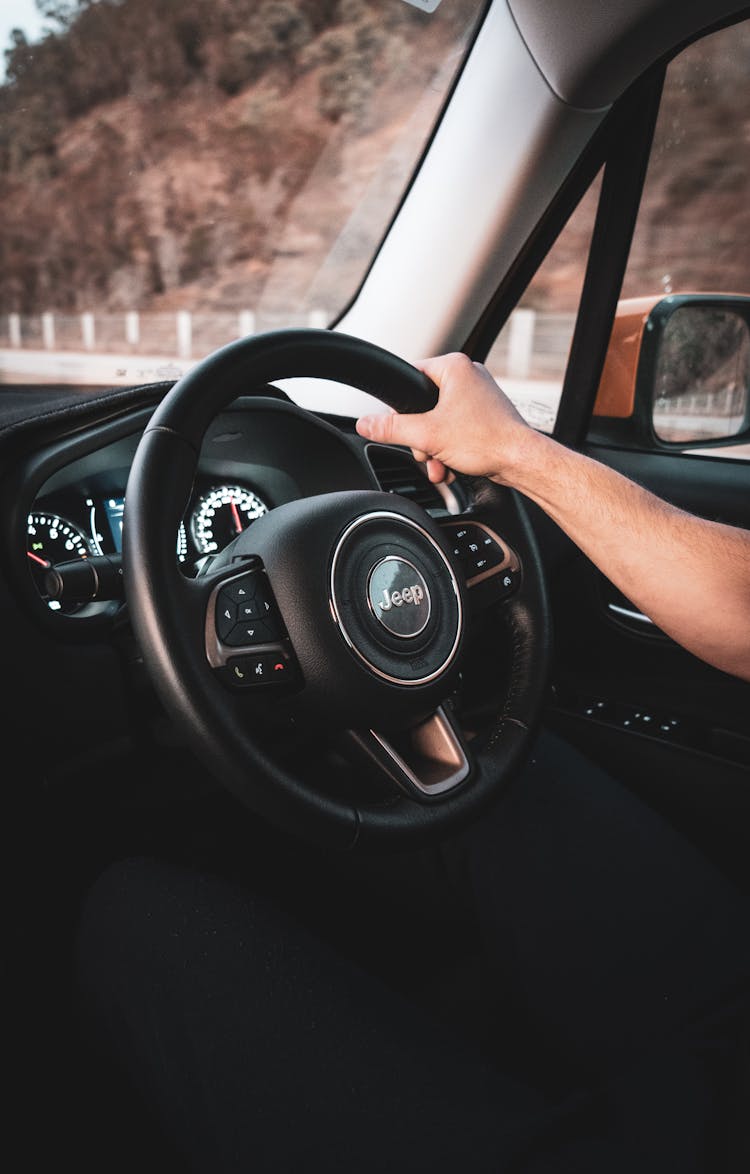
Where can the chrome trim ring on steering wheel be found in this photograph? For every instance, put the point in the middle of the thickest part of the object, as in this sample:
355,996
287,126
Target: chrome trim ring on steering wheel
395,598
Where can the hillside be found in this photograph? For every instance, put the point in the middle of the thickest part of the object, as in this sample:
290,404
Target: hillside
154,152
159,154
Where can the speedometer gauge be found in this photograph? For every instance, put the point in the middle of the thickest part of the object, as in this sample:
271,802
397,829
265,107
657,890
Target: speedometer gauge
222,514
51,539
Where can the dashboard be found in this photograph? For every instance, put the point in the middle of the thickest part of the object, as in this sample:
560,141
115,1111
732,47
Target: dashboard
64,497
256,455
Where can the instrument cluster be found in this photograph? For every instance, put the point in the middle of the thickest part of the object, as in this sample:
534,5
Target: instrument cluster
76,524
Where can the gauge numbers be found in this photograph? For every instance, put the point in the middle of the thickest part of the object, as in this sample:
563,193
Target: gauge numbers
223,513
51,539
182,547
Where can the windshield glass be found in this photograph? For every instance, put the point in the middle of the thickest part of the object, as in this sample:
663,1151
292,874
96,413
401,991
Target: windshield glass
179,173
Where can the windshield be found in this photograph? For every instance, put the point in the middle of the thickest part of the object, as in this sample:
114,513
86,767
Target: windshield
179,173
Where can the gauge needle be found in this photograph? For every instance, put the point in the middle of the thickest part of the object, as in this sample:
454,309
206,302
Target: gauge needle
236,515
43,562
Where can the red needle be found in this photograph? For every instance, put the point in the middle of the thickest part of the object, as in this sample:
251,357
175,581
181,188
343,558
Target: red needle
43,562
235,515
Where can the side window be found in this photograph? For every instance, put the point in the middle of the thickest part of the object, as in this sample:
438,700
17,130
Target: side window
679,356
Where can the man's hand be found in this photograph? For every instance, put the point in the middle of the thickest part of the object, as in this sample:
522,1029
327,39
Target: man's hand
473,429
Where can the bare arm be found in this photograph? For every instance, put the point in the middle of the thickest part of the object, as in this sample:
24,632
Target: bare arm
689,575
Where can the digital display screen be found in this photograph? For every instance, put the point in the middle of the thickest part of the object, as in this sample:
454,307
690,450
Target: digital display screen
114,508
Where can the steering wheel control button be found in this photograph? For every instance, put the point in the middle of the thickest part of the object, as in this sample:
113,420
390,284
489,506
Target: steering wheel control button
244,633
485,553
242,589
257,670
252,632
495,588
484,559
460,540
395,598
226,616
399,597
253,609
246,613
476,548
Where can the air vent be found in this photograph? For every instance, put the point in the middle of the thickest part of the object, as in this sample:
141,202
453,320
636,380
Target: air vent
398,472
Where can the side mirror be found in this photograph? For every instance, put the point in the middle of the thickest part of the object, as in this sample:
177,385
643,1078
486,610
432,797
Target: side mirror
677,372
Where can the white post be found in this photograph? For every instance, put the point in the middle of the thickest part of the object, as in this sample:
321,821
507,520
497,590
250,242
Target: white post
184,334
14,329
132,328
317,319
88,333
521,342
245,323
48,331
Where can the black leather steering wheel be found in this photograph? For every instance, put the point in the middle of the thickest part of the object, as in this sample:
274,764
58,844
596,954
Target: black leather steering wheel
345,612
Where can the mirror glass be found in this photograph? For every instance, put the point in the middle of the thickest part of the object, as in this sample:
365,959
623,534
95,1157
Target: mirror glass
702,375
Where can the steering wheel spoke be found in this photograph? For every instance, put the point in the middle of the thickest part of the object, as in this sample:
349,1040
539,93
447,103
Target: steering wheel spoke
427,761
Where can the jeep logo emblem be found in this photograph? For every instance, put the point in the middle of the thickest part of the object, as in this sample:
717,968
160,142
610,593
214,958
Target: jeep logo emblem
413,594
399,597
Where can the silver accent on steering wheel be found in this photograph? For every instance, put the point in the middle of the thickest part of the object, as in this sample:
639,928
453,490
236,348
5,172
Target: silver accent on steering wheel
435,761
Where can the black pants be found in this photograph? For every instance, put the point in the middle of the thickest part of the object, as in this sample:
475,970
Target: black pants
620,958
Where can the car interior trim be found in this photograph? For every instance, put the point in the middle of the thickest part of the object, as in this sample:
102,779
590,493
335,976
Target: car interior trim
433,748
595,53
629,613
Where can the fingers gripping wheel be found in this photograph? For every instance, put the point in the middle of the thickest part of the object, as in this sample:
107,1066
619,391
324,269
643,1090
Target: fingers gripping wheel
357,596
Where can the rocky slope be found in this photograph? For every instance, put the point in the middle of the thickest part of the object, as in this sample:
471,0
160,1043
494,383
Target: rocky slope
158,154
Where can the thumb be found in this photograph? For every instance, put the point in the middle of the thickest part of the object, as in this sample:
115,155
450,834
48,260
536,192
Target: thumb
392,428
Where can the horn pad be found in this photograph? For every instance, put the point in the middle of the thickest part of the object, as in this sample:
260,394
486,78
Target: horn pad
395,598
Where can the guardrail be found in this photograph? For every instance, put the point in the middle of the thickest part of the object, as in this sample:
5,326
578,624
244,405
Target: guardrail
181,335
121,346
532,344
528,357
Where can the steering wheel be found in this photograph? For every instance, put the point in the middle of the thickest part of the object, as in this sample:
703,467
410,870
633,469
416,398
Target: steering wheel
344,613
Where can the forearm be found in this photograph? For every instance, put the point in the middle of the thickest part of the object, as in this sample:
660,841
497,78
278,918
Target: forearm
689,575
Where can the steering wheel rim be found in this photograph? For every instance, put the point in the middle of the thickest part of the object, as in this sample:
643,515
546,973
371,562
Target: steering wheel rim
168,610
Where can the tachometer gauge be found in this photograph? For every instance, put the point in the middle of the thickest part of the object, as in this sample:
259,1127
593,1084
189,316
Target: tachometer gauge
221,514
51,539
